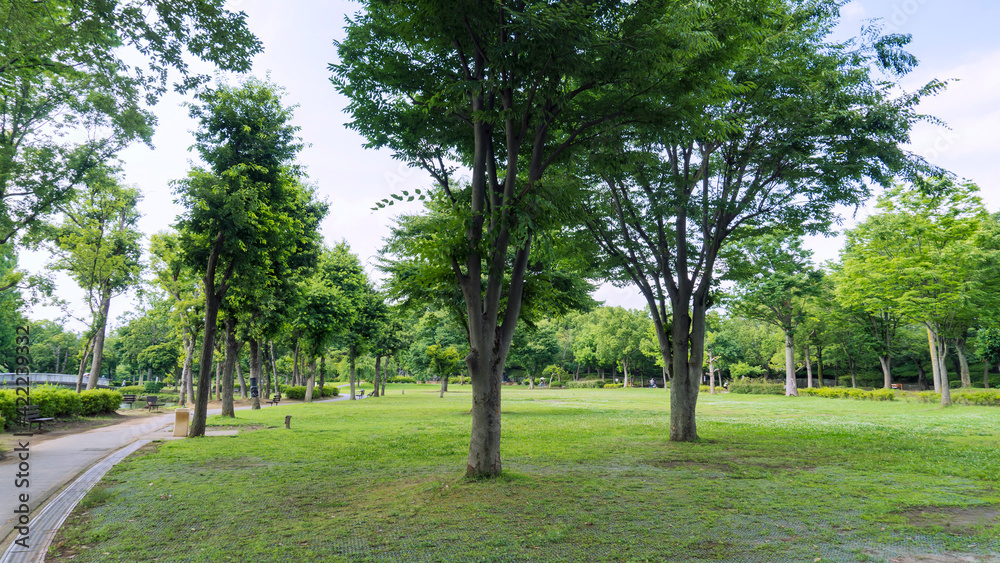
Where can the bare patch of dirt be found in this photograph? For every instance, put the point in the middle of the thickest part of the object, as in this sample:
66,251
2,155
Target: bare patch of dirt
952,516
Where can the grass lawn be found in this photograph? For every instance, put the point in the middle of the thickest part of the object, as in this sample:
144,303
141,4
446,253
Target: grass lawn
588,476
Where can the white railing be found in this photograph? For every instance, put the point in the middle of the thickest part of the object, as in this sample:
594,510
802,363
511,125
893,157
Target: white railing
64,379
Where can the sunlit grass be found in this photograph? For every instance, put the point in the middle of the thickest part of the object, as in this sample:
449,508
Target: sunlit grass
589,476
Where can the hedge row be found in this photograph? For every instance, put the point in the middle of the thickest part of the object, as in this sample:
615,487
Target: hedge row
585,384
750,387
983,397
401,379
55,401
298,392
850,393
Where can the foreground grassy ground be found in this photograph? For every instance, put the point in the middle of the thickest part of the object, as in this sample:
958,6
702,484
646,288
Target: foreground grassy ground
589,476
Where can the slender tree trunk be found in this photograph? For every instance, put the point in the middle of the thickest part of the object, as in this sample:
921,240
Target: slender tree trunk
311,382
809,365
385,375
819,365
218,379
351,352
941,351
711,373
444,386
83,364
963,362
791,386
886,371
241,379
322,374
921,375
229,369
935,364
274,367
378,374
296,374
101,329
212,301
256,372
986,375
854,378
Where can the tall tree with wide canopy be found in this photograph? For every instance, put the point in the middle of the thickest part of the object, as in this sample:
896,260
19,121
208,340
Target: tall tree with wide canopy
249,211
802,126
70,96
933,252
506,89
98,245
774,278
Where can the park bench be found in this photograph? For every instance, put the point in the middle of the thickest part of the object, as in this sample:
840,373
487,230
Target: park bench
361,395
30,414
275,400
151,403
128,400
896,386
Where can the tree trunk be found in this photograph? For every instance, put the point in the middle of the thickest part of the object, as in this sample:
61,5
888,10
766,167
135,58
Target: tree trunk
295,365
854,379
921,375
229,368
986,375
886,371
311,382
274,367
941,351
809,365
256,372
351,352
819,365
791,386
101,324
378,374
935,364
322,374
186,370
242,380
212,300
711,373
218,379
963,362
384,375
83,364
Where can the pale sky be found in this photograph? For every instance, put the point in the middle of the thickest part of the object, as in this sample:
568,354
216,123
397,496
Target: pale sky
952,39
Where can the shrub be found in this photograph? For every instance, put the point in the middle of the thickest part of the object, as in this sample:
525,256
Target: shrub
985,397
400,379
459,380
54,401
850,393
153,386
99,401
751,387
298,392
132,390
585,384
612,385
8,406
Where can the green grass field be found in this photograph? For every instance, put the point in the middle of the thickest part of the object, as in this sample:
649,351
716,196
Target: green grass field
588,476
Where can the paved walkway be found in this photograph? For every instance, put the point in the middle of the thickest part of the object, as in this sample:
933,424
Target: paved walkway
54,463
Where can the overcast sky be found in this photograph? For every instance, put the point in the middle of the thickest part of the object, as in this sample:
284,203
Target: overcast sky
952,39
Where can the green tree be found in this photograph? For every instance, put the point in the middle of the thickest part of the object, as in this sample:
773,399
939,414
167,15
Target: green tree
98,245
443,363
800,126
774,279
506,89
69,100
249,211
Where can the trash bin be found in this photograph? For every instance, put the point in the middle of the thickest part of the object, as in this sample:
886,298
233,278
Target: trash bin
182,420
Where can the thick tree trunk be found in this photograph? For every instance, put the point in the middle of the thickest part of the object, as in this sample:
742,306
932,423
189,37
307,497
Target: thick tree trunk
963,362
941,352
935,364
886,371
256,372
351,350
484,445
809,365
311,382
791,386
101,329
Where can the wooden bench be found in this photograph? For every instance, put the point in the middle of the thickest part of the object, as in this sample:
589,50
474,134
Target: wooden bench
361,395
275,400
896,386
128,400
151,403
30,414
